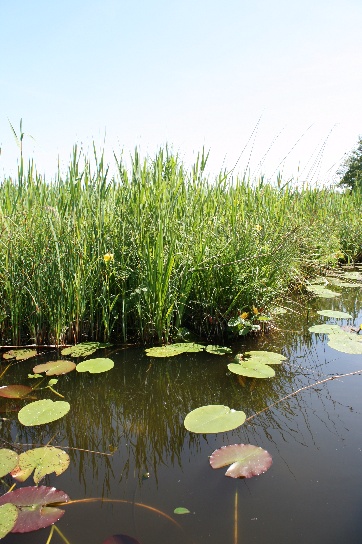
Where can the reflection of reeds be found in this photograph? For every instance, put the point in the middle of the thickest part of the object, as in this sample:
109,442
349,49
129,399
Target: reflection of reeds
186,250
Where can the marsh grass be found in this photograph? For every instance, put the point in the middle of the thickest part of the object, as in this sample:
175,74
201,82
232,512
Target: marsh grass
186,250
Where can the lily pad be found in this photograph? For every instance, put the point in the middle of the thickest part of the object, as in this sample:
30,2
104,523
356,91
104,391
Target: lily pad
335,314
346,343
14,391
354,275
83,349
214,418
326,328
247,460
278,310
121,539
55,368
174,349
252,370
217,350
31,501
43,411
181,510
95,366
8,461
20,354
322,292
265,357
8,516
43,461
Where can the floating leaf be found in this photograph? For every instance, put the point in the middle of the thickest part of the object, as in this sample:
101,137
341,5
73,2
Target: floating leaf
95,366
340,283
83,349
346,343
355,275
181,510
265,357
218,350
14,391
247,460
33,514
121,539
335,314
174,349
325,328
8,461
214,418
8,516
20,354
252,370
322,292
43,461
278,310
43,411
55,368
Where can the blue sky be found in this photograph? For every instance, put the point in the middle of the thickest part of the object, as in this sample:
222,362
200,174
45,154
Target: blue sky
128,73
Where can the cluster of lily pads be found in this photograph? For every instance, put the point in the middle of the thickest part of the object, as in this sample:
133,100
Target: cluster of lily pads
32,507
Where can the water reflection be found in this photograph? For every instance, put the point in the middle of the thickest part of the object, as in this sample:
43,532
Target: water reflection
138,409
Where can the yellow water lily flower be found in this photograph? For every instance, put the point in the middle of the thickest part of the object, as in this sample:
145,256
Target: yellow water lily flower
244,315
108,257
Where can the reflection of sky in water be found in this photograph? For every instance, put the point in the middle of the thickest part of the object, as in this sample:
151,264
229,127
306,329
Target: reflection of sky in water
311,494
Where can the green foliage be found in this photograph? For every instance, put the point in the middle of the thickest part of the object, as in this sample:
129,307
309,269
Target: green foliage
155,248
351,169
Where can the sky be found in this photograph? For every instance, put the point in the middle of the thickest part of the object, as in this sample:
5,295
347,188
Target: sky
266,86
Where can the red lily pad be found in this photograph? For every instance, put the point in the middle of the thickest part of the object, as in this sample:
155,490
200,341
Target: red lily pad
32,507
121,539
14,391
247,460
55,368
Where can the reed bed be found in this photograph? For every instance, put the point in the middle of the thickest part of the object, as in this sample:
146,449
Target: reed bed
137,256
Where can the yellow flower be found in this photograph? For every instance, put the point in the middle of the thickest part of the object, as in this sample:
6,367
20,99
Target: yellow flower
258,228
244,315
108,257
255,310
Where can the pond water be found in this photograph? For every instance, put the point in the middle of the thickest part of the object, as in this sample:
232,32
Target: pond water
311,494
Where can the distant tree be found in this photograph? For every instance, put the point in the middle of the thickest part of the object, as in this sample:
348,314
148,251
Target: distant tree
351,170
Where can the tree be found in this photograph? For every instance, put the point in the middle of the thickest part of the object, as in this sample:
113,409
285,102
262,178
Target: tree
351,169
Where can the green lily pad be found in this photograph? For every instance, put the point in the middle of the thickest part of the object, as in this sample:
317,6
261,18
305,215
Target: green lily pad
326,328
252,369
20,354
322,292
83,349
174,349
335,314
181,510
8,516
95,366
247,460
353,275
213,419
265,357
278,310
43,461
346,343
14,391
43,411
8,461
217,350
55,368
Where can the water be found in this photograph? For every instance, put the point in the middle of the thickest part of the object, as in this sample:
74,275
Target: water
311,494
